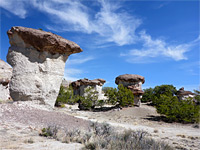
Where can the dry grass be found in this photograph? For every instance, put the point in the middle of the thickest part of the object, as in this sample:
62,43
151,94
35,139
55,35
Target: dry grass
103,136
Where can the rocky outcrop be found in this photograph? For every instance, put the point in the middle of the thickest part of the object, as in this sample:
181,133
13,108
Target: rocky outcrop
5,75
134,83
81,85
183,95
38,60
65,83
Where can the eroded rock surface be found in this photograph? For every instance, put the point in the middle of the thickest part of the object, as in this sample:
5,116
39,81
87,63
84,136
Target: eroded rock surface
183,95
5,75
134,83
81,85
38,60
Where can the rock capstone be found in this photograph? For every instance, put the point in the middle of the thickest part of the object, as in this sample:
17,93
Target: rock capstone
134,83
81,85
183,95
38,60
5,76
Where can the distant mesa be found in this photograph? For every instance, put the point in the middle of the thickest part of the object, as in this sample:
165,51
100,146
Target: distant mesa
134,83
38,60
5,76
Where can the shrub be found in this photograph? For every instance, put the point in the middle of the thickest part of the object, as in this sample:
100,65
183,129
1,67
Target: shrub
168,90
111,93
122,97
90,99
153,94
148,95
103,136
125,96
66,96
50,131
197,97
184,111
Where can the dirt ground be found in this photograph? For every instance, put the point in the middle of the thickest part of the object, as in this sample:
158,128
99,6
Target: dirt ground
21,122
180,136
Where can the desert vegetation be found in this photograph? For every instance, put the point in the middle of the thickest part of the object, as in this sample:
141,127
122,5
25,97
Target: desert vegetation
120,97
163,98
166,102
103,136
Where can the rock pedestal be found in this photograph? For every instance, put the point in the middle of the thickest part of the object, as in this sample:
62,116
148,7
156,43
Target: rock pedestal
183,95
134,83
81,85
5,75
38,60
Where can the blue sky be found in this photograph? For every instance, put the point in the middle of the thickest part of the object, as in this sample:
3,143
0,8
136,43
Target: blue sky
156,39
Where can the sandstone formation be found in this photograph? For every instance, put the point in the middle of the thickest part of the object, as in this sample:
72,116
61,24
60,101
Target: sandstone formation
65,83
183,95
5,75
38,60
134,83
81,85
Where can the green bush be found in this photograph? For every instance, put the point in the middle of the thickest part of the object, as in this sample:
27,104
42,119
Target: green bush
184,111
90,100
197,97
148,95
111,93
153,94
122,97
66,96
168,90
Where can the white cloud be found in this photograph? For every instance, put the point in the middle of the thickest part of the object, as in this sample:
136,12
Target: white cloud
109,23
156,48
17,7
72,74
78,60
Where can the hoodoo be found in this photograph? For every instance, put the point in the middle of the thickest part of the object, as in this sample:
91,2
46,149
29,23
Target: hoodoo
38,60
134,83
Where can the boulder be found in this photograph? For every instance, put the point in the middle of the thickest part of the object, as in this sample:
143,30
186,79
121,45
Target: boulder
38,60
134,83
5,76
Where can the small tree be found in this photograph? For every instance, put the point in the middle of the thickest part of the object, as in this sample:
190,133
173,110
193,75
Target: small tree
122,97
168,90
66,96
90,100
197,97
111,93
180,111
125,96
148,95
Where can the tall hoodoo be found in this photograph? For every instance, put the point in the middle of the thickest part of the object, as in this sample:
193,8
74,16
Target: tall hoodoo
134,83
38,60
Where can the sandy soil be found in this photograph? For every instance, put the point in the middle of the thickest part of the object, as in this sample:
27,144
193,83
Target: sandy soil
21,122
180,136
